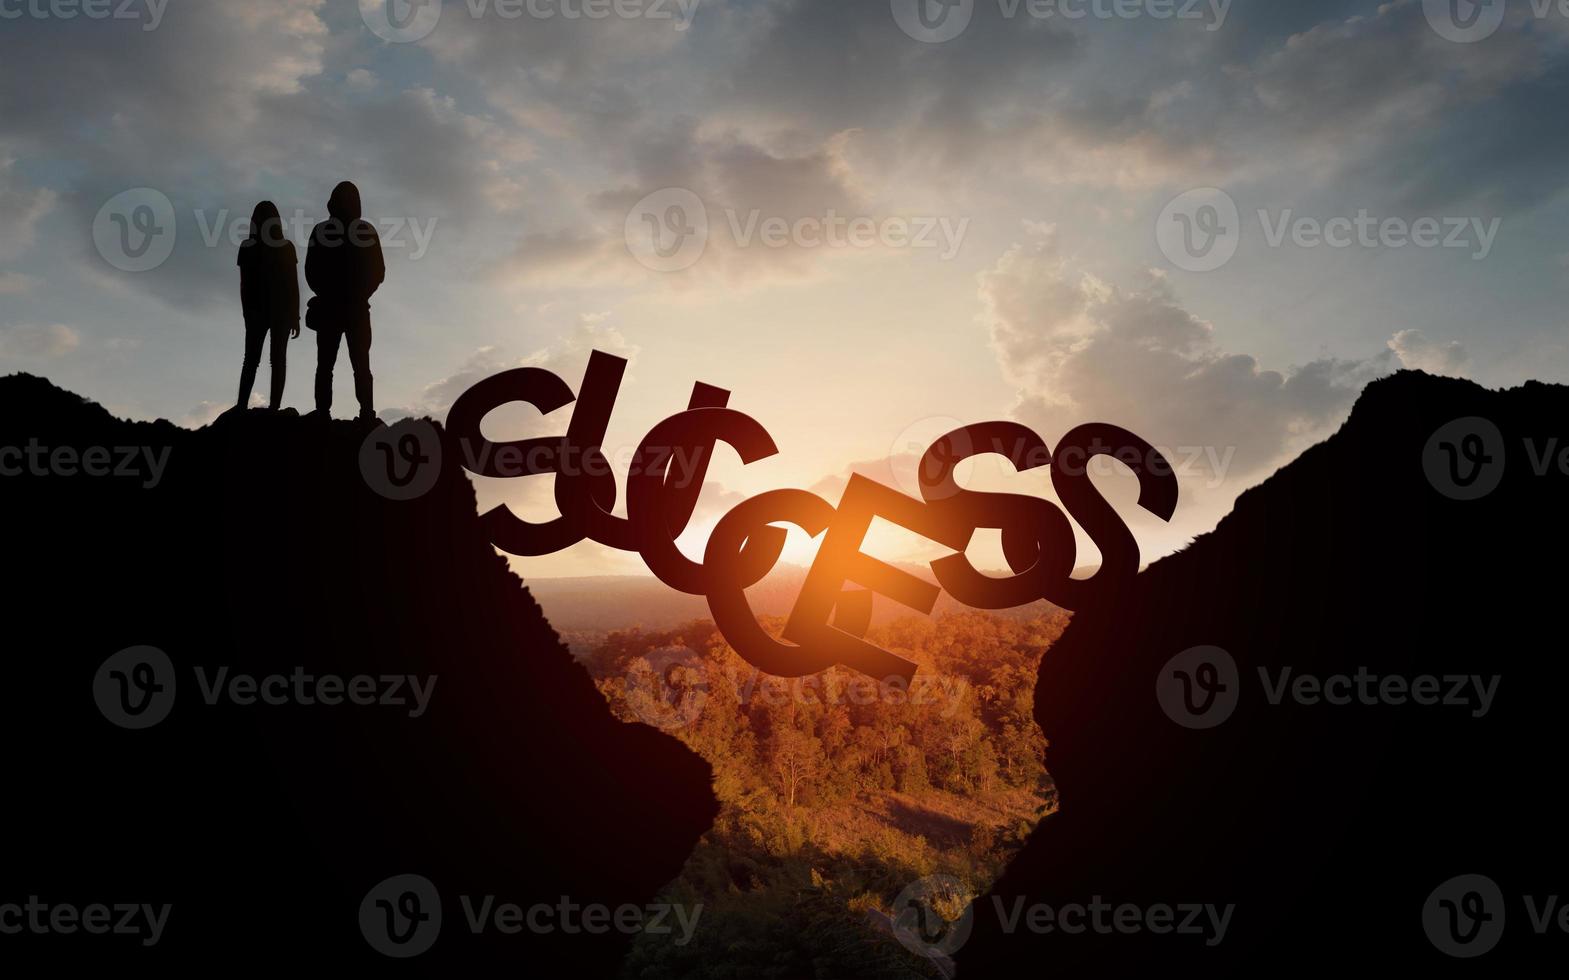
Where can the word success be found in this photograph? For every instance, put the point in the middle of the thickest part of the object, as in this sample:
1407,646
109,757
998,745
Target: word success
830,618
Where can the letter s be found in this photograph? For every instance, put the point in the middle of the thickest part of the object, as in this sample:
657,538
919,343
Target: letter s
1037,539
1071,479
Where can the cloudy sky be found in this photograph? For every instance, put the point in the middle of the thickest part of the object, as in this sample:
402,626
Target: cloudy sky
1209,222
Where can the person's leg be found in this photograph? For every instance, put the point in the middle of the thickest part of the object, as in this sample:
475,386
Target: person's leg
253,345
326,354
279,357
359,357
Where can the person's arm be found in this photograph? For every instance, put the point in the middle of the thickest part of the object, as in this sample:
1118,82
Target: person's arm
315,271
376,266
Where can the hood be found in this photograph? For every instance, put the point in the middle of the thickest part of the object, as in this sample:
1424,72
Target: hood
345,202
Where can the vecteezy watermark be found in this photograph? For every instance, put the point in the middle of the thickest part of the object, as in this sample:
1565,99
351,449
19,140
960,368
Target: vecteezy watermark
1464,459
1200,230
405,21
1468,21
1200,687
394,233
401,917
411,692
1202,920
936,21
1464,917
144,463
944,692
135,688
136,230
401,461
667,687
41,918
148,12
681,466
934,916
669,230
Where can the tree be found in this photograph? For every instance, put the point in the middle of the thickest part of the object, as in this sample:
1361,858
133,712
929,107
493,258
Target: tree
794,757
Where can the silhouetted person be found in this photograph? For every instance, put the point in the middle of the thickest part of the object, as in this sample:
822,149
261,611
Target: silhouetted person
270,298
343,266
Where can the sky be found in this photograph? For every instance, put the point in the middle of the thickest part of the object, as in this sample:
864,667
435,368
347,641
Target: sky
1209,222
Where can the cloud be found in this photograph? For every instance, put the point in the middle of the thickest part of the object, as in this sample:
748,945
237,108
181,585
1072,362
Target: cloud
741,184
567,359
21,208
36,341
219,107
17,283
1416,351
1080,349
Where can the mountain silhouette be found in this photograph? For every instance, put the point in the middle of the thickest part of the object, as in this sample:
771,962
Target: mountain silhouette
260,549
1337,831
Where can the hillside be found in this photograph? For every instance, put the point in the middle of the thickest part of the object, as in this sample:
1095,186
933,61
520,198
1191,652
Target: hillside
1327,826
257,549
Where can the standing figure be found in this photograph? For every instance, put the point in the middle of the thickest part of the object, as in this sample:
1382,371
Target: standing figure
343,266
269,298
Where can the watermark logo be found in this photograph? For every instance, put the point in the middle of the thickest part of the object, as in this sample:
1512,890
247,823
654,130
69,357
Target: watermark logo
135,688
668,687
486,914
945,692
41,918
402,461
1199,687
401,916
934,916
406,21
149,12
1464,459
1464,21
146,464
401,21
1464,917
394,234
412,692
667,231
913,441
932,21
135,230
1206,921
936,21
1199,230
920,915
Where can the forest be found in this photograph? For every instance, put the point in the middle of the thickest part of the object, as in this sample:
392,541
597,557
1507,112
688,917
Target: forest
837,791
